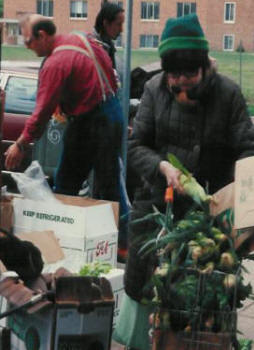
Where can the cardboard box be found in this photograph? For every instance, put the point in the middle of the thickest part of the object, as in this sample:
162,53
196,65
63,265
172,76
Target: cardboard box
86,229
3,301
35,327
223,200
244,193
52,254
80,317
39,328
227,208
6,218
54,258
115,277
39,324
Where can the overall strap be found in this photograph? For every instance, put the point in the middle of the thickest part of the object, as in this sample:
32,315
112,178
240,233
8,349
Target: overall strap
100,70
83,51
71,47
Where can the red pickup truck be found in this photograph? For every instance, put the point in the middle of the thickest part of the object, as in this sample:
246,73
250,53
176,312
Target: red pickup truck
20,86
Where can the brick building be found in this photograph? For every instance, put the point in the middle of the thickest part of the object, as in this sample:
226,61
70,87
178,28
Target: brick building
225,23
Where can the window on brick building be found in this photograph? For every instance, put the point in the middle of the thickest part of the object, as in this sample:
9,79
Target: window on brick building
185,8
149,41
12,29
150,10
78,9
45,7
119,3
228,42
229,12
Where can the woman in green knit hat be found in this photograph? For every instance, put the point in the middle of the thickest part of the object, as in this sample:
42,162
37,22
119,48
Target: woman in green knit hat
198,115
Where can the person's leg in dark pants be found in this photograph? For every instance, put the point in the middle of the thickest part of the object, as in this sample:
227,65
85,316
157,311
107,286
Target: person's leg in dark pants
107,176
106,160
78,155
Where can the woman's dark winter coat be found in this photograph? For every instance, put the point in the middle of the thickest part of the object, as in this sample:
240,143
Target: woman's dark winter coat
207,138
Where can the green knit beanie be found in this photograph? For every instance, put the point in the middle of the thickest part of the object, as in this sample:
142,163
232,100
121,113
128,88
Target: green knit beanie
183,33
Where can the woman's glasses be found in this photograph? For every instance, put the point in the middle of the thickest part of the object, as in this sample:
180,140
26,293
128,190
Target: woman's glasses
188,73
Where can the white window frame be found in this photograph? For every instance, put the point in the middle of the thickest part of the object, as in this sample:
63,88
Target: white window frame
233,42
45,1
234,12
12,29
148,47
79,18
189,4
119,3
150,19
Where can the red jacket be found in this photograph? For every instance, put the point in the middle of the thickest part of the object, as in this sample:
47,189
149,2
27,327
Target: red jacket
69,79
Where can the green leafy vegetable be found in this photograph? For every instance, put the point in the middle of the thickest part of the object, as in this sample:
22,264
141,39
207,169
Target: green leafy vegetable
95,269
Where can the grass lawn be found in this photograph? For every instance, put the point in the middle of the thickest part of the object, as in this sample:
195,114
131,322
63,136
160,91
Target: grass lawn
18,53
228,64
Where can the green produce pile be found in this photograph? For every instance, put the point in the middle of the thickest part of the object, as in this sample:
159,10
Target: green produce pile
198,282
95,269
245,344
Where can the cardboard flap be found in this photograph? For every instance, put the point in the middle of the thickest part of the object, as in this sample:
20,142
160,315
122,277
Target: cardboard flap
222,200
247,235
88,202
6,213
48,244
244,193
100,220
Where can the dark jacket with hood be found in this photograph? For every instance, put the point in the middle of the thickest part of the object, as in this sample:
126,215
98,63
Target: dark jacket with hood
108,45
207,138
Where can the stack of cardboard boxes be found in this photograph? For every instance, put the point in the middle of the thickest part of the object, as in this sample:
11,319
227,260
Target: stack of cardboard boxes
70,233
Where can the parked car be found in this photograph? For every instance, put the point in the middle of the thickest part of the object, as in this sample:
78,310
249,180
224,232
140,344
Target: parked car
20,86
20,94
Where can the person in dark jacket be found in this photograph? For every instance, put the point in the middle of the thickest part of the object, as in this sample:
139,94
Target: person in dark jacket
193,112
196,114
108,26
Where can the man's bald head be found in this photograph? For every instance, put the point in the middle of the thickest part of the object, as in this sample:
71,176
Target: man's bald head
26,23
31,19
39,34
31,24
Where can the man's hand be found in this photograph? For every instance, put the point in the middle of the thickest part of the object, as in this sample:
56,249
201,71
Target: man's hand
171,174
14,156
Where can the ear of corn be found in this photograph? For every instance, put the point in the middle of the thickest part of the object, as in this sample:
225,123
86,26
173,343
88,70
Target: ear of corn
190,185
193,189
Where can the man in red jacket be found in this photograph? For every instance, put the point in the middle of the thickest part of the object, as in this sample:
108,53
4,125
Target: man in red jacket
68,78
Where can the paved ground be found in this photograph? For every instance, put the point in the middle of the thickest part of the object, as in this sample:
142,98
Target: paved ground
24,64
116,346
246,314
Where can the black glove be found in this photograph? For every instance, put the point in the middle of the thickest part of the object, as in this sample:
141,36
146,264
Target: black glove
20,256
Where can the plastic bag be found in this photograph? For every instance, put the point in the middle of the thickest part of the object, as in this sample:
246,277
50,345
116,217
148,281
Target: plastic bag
132,325
32,184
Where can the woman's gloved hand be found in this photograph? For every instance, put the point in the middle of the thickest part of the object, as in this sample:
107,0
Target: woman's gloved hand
171,174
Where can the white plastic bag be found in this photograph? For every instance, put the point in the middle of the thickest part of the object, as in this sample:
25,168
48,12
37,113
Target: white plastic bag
33,185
